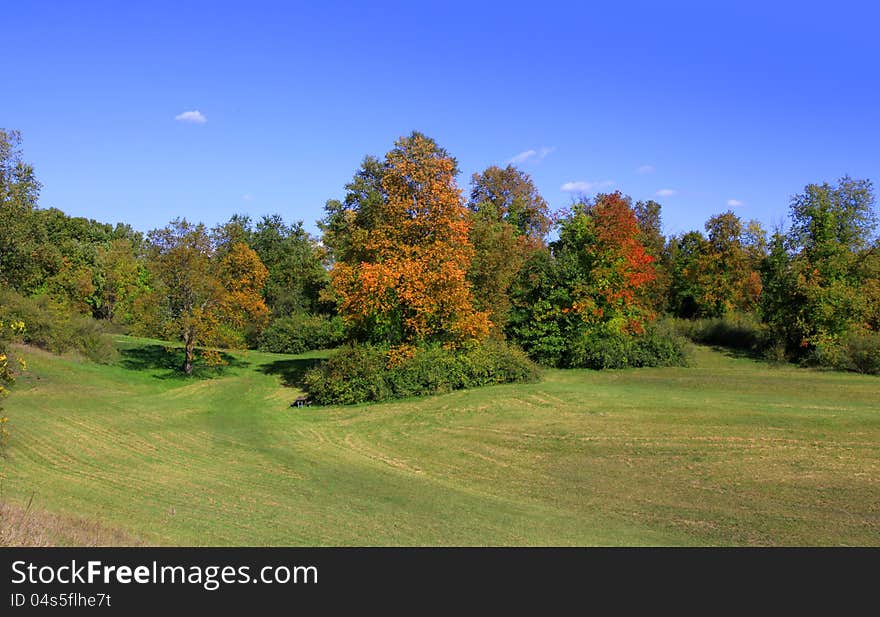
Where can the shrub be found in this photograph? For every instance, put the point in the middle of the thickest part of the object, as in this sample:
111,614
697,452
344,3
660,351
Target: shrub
858,351
55,328
658,346
300,332
358,374
735,330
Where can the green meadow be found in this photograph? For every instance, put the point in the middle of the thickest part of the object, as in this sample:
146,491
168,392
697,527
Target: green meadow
729,451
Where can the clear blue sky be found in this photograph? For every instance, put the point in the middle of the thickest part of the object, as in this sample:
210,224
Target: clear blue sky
704,102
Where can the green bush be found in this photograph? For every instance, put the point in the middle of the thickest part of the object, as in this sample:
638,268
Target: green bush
358,374
659,346
300,332
857,351
54,328
736,330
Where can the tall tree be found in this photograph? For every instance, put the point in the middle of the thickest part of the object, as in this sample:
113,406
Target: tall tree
22,238
509,222
515,200
403,251
649,217
831,228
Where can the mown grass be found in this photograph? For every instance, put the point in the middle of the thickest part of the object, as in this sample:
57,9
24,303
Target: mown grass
728,452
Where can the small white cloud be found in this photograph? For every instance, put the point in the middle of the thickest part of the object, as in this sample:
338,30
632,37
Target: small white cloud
191,117
522,157
538,155
247,197
582,186
666,192
733,203
646,169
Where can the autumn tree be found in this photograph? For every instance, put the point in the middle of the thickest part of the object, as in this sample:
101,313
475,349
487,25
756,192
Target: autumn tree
604,240
649,217
509,220
593,282
202,296
402,249
715,275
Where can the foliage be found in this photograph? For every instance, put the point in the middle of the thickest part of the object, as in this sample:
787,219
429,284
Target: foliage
648,215
824,274
594,280
54,327
302,332
10,329
202,295
407,283
359,373
509,220
514,199
21,263
657,346
742,331
718,274
293,259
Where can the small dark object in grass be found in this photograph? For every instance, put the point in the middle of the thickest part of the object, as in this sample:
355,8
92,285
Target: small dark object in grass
302,401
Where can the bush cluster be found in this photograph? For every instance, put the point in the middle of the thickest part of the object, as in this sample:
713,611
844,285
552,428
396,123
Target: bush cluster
359,373
658,346
301,332
54,328
742,331
858,351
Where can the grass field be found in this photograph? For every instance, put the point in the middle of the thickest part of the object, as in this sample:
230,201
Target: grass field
728,452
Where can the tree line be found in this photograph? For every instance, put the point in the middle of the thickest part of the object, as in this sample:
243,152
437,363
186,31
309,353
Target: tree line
406,260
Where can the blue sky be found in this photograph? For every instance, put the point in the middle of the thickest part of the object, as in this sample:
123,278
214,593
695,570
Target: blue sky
704,106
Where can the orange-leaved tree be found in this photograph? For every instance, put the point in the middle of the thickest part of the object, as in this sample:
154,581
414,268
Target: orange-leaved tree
401,277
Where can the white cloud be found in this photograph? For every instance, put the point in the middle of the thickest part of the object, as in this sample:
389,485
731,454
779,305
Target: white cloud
733,203
582,186
192,117
666,192
538,155
247,197
646,169
522,157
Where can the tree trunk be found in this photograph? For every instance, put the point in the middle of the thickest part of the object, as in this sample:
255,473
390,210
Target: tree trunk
189,349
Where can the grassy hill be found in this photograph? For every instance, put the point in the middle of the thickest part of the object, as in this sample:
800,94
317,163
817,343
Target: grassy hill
728,452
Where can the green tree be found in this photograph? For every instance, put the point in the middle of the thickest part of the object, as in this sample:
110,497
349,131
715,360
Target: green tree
514,198
295,263
831,225
123,279
509,222
22,239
